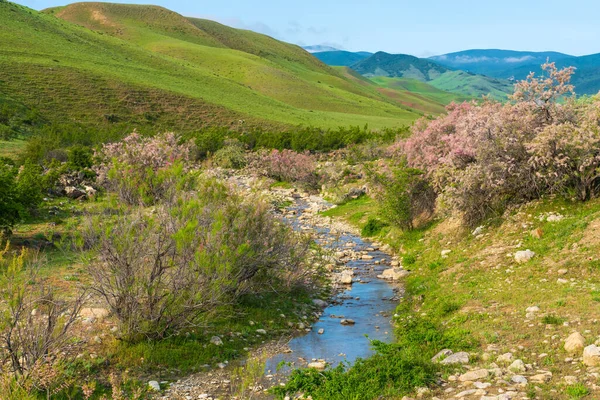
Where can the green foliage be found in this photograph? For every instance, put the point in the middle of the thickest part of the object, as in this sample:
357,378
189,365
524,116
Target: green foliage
552,320
231,156
80,157
577,391
373,227
21,191
393,371
405,195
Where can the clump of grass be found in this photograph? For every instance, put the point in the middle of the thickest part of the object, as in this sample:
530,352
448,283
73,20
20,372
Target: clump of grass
552,320
373,227
577,391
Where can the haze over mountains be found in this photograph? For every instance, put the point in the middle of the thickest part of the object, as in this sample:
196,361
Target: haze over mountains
501,65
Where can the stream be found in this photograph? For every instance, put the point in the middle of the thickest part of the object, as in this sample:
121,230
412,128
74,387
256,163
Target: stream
369,301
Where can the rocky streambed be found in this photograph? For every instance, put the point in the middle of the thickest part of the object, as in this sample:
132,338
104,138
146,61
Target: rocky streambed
364,277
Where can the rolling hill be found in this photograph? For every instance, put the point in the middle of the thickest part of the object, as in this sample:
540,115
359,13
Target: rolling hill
341,58
586,77
507,64
399,66
443,78
103,64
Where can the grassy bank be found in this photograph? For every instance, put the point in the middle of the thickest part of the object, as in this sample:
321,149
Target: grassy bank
478,290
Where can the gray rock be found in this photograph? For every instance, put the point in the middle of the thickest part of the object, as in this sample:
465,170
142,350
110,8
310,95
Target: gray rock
318,365
574,343
154,385
261,331
591,355
517,366
474,375
347,321
216,341
505,358
520,379
393,274
441,354
456,358
320,303
523,256
541,378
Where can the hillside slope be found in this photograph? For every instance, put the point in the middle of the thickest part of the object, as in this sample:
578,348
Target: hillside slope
586,77
399,66
455,81
149,67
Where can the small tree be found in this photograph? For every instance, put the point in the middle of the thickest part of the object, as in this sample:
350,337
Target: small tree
405,194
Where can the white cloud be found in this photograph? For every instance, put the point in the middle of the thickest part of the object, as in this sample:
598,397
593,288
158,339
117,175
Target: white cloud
518,59
469,59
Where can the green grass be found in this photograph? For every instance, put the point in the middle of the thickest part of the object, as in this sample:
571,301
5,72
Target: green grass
162,70
175,357
467,84
11,148
356,211
421,92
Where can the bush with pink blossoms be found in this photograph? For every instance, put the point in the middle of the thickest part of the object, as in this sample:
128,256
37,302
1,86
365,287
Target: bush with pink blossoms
288,166
483,157
144,170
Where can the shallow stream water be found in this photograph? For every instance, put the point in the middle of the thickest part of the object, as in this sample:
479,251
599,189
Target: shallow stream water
369,301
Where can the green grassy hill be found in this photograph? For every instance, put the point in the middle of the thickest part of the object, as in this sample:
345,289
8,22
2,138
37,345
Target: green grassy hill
147,67
455,81
422,89
468,84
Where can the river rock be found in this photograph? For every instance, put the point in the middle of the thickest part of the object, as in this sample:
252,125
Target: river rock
591,355
393,274
456,358
574,343
541,378
523,256
505,358
347,321
345,277
517,366
318,365
216,341
321,331
474,375
320,303
441,354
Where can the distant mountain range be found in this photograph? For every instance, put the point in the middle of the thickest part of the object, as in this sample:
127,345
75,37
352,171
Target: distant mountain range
469,72
402,66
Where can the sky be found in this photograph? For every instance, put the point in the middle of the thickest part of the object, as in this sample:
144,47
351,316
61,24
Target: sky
418,27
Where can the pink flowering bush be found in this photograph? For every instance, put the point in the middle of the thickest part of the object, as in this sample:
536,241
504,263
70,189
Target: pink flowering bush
287,165
144,170
482,157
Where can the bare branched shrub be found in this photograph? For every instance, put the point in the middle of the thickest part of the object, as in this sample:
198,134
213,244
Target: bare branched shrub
287,165
35,326
161,272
